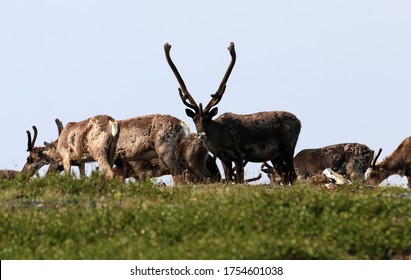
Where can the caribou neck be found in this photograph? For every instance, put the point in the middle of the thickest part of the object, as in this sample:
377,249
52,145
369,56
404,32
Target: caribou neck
214,132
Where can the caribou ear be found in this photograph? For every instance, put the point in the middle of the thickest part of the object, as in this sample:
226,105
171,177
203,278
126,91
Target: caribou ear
47,144
213,112
190,113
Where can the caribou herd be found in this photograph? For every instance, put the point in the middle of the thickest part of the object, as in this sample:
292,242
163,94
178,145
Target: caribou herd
154,145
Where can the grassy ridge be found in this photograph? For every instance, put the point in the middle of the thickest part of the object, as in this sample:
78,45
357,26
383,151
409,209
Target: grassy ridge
59,217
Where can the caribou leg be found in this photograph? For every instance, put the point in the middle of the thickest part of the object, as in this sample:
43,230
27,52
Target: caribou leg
228,170
66,164
280,167
239,171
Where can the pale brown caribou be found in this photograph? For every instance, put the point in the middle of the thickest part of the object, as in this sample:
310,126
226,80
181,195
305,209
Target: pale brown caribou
93,139
155,141
347,159
57,166
161,137
399,163
237,138
199,166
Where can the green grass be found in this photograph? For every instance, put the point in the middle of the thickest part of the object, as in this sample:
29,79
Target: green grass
59,217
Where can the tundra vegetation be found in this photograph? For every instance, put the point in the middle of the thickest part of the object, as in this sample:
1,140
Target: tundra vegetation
61,217
100,217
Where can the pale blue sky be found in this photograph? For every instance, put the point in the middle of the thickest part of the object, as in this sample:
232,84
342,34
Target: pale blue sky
342,67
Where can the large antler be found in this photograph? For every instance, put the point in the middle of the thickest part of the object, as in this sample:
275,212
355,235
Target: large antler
221,89
30,143
184,94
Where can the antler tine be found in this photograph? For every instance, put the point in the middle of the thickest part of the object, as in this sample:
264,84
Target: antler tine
266,168
216,98
184,94
265,164
34,136
254,179
29,146
376,157
184,98
59,126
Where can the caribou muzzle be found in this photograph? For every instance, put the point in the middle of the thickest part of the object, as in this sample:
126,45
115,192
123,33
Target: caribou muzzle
202,136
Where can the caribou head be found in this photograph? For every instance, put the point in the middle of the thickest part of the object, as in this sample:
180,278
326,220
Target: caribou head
40,156
37,157
201,116
376,174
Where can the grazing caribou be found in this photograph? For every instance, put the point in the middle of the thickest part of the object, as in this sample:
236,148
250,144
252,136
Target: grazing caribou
149,137
141,170
37,157
348,159
94,139
272,174
201,167
236,138
399,162
151,146
191,153
30,167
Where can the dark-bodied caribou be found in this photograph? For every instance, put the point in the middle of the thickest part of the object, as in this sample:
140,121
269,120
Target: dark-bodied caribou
264,136
347,159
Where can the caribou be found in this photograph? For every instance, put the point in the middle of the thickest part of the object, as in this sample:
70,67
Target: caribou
142,170
199,165
36,158
347,159
161,137
30,167
93,139
161,143
259,137
399,162
56,166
